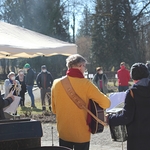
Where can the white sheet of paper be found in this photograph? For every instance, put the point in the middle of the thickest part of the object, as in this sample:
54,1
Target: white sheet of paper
116,99
13,106
91,76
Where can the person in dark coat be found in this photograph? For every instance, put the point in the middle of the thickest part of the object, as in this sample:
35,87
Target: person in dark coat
29,81
136,111
21,78
4,103
148,66
44,81
100,80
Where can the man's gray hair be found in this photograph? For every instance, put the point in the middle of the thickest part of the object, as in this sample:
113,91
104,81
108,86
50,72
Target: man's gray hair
75,60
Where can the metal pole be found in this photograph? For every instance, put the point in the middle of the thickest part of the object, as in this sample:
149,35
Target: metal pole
52,128
122,145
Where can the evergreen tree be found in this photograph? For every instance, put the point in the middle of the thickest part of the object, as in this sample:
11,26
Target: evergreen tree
85,23
83,39
114,34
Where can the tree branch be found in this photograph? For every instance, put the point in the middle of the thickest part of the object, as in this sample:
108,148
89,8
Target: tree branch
136,18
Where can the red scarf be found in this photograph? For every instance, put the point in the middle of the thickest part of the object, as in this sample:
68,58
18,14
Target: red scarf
74,72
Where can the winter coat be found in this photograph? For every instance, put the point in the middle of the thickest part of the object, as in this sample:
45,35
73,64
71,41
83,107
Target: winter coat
48,80
29,80
96,81
136,116
23,85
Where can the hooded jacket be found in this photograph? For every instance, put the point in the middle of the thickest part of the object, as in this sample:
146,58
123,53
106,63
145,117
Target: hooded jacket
136,116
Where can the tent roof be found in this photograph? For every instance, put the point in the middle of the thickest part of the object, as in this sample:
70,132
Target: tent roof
20,42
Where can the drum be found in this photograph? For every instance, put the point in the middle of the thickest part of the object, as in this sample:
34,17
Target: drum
118,133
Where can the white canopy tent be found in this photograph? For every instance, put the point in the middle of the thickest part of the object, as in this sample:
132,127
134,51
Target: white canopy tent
18,42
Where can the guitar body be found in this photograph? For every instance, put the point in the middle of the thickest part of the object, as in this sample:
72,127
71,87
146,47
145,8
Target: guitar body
96,127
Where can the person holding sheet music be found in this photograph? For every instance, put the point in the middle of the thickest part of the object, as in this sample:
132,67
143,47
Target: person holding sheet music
11,84
4,103
136,111
72,124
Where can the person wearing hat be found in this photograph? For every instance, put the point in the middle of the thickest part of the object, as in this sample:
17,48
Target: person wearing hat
29,81
11,84
44,81
136,111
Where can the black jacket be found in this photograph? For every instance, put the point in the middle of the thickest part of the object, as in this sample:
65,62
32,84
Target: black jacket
136,116
29,80
44,77
23,85
3,104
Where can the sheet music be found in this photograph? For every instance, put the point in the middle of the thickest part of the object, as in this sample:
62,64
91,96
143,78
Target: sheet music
116,99
13,106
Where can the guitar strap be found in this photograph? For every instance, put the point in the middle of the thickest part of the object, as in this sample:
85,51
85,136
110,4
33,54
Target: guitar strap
77,100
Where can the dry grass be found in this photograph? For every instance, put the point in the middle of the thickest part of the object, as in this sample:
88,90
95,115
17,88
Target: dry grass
27,110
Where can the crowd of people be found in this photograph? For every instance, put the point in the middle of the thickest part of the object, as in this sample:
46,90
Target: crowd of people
72,126
24,82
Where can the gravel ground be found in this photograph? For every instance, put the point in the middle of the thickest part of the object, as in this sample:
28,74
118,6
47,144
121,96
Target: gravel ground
100,141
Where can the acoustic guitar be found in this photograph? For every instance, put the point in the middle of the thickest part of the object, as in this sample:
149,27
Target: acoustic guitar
94,125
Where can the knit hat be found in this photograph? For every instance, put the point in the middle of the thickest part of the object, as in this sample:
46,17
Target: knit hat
139,71
27,65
